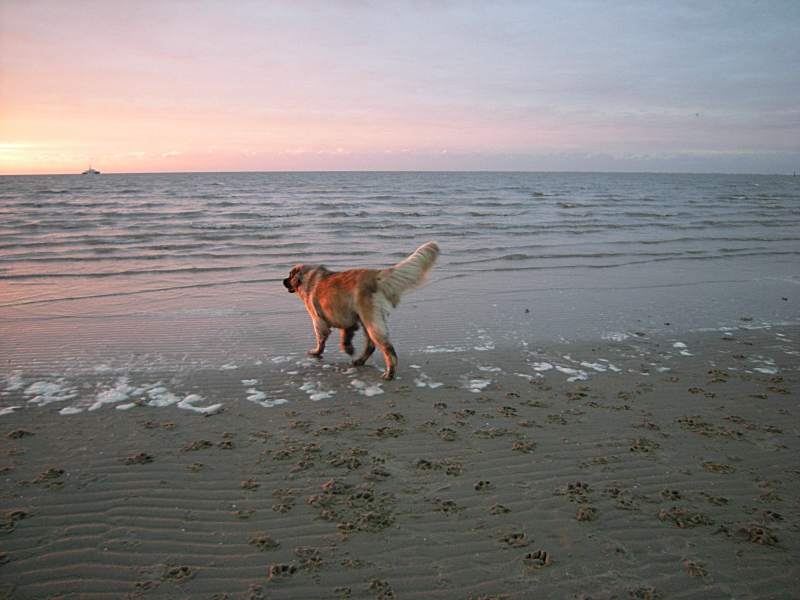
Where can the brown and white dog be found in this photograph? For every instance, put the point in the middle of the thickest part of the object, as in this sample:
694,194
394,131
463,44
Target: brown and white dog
359,297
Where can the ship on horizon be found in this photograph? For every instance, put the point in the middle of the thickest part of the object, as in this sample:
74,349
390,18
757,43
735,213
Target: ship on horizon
90,171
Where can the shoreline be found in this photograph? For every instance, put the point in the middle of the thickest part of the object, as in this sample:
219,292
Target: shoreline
293,377
250,325
481,473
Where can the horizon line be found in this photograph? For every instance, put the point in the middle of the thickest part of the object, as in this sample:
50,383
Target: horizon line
587,172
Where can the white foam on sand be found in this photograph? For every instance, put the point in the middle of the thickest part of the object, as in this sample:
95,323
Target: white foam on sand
228,367
366,389
477,385
249,381
443,349
7,410
158,396
683,349
161,396
614,336
594,366
766,370
424,380
765,364
315,391
485,343
119,393
260,398
46,392
601,366
254,395
282,359
526,376
574,374
188,403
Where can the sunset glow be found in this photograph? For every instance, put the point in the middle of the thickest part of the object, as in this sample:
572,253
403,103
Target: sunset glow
207,86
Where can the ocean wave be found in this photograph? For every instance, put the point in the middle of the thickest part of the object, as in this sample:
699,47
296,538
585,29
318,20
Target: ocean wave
566,255
124,273
593,266
141,292
163,227
52,192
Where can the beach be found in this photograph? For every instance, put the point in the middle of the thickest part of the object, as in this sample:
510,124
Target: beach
641,467
596,394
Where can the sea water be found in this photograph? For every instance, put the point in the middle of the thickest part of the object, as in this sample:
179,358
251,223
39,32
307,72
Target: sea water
184,270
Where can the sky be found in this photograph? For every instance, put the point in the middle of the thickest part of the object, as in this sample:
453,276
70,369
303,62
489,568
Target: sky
564,85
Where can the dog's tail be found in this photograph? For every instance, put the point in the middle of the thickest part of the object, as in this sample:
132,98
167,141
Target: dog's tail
408,273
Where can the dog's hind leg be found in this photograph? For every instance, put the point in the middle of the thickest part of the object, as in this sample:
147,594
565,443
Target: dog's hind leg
378,332
321,331
369,348
347,339
389,355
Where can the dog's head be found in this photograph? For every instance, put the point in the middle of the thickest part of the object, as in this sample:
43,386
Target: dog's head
295,278
304,278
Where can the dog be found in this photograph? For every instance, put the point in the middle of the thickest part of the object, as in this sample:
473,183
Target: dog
357,298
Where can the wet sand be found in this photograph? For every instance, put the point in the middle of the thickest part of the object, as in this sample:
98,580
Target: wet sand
645,467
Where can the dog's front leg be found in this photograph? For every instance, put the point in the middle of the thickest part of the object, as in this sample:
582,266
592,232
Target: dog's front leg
347,339
321,331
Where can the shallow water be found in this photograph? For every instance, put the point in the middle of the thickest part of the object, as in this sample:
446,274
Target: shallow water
185,269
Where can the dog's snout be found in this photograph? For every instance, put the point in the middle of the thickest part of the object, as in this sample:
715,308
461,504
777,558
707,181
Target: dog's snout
288,284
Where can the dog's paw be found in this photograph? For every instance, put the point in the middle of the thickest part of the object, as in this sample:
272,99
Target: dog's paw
387,375
314,354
